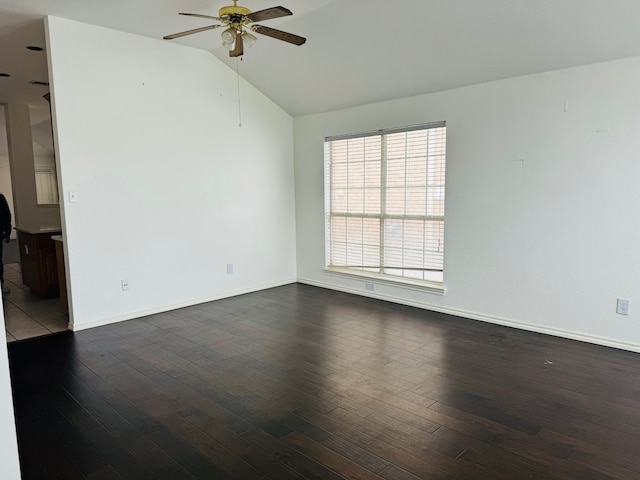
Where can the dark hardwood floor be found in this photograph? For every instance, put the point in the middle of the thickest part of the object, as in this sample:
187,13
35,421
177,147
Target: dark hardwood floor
301,382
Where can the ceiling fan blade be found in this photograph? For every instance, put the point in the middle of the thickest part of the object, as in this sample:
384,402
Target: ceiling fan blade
201,16
189,32
238,49
269,13
279,34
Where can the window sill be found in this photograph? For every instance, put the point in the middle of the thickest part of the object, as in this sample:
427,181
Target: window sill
421,286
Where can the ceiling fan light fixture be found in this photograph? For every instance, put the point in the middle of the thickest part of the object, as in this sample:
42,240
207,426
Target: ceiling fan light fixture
249,39
228,37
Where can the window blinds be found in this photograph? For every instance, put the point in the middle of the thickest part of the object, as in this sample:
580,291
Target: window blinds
385,202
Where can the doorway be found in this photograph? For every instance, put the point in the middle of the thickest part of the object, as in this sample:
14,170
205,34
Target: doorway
27,315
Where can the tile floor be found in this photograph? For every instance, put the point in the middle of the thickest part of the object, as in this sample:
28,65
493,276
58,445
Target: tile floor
26,315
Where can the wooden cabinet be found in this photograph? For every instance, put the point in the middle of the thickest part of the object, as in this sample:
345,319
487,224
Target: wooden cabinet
38,262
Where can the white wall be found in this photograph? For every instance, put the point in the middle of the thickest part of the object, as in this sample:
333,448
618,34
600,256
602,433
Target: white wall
547,243
170,189
9,462
5,170
6,188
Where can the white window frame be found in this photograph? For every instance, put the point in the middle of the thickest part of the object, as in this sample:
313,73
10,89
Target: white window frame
365,272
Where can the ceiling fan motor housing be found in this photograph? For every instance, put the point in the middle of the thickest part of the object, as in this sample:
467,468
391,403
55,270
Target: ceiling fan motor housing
233,10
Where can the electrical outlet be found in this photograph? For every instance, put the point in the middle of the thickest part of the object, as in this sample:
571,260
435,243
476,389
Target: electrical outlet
229,268
125,285
370,286
622,306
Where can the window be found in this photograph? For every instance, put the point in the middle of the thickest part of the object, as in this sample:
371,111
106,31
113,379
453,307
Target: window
46,186
384,195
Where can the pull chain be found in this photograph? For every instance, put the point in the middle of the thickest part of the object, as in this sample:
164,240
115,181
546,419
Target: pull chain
238,79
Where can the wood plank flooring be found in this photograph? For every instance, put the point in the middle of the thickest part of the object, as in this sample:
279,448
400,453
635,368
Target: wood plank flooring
299,382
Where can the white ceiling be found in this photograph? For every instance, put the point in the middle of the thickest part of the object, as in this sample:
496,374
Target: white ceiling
358,51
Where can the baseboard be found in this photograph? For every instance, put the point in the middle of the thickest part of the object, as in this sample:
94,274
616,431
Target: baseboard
176,306
582,337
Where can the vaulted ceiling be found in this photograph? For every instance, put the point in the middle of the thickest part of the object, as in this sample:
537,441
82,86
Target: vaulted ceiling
358,51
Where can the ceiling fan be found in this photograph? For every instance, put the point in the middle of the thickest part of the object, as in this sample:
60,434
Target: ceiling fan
238,21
